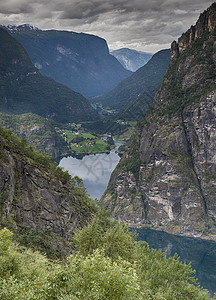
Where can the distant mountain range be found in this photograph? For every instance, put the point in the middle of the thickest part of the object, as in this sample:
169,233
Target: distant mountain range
140,87
131,59
80,61
24,89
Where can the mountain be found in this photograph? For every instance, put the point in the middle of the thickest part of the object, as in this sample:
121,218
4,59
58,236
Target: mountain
131,59
40,203
143,81
138,108
78,60
39,132
24,89
167,180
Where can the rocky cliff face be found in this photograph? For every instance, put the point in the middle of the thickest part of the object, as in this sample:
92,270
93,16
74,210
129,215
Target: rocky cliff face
206,23
167,178
131,59
34,200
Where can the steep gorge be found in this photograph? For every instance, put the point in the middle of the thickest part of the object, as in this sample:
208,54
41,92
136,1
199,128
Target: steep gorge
167,180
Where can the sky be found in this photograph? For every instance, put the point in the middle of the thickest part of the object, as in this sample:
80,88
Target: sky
145,25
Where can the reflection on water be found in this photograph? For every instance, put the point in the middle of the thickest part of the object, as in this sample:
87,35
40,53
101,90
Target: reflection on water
94,169
201,253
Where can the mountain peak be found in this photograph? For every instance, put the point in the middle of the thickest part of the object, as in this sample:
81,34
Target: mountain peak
13,28
205,23
27,26
131,59
78,60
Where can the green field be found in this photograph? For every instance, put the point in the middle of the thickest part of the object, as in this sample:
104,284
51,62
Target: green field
97,147
85,142
88,135
70,135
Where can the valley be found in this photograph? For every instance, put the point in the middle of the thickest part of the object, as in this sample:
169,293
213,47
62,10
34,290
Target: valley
80,61
106,156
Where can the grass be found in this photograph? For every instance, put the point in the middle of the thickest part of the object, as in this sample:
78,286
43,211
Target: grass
85,142
97,147
86,135
70,135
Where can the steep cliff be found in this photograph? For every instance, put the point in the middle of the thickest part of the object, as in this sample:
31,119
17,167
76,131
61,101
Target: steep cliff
131,59
167,177
38,201
24,89
80,61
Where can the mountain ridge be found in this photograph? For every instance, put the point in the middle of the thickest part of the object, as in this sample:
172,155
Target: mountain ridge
140,82
131,59
166,180
78,60
39,132
24,89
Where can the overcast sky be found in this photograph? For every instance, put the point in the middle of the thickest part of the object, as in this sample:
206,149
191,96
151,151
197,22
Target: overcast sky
146,25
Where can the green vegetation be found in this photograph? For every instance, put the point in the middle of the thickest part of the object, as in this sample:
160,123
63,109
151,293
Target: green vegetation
143,81
38,131
18,145
60,55
178,96
97,147
132,164
39,237
133,161
88,135
107,263
86,143
25,90
45,163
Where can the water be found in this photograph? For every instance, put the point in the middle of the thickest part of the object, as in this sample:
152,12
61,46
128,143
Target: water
94,169
201,253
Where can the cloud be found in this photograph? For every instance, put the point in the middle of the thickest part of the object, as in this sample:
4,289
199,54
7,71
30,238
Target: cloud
15,7
144,24
180,12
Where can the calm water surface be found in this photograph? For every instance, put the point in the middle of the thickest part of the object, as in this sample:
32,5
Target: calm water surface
201,253
95,170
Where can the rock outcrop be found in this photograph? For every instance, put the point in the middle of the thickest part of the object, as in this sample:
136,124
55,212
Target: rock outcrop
34,199
167,178
131,59
205,23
